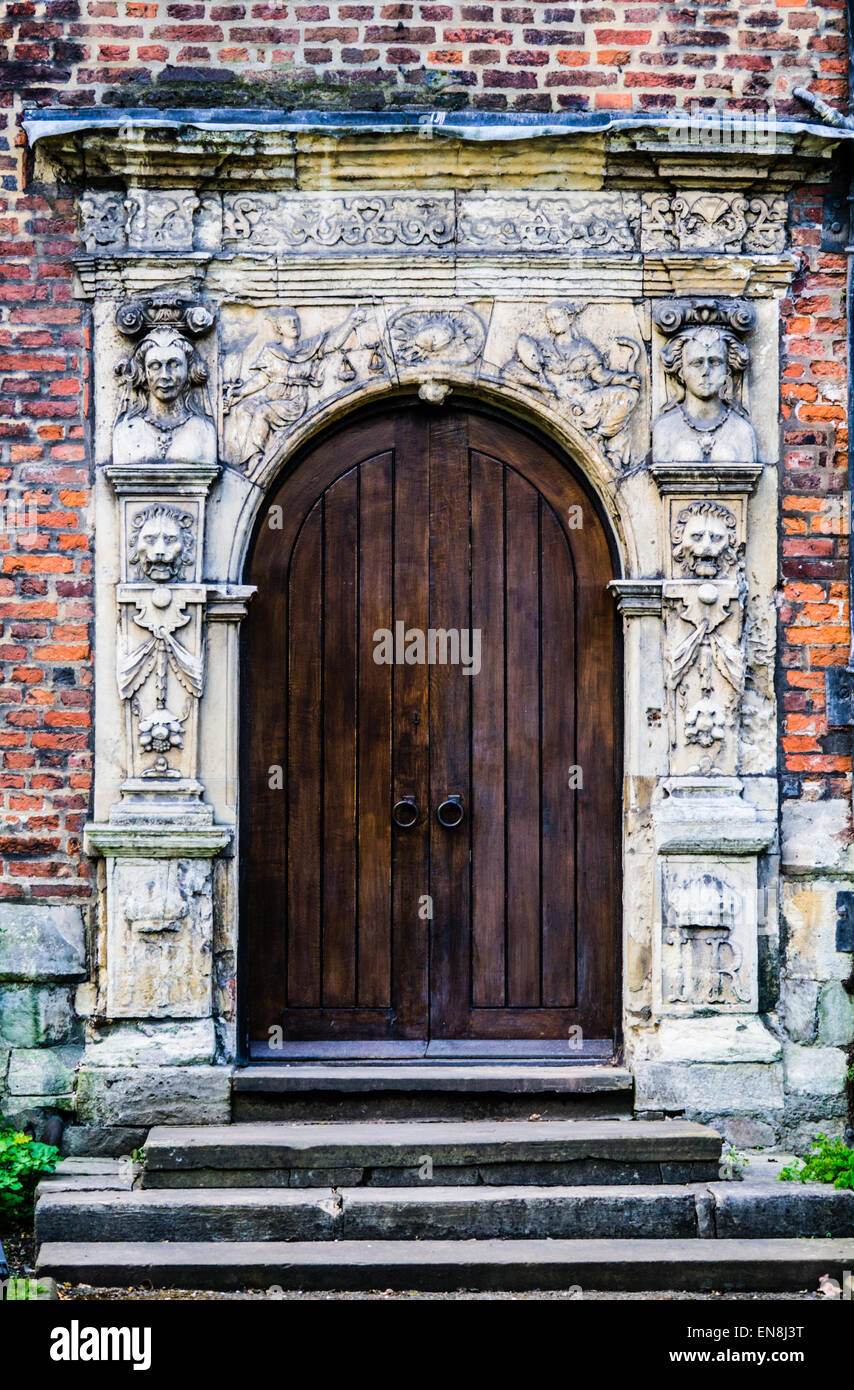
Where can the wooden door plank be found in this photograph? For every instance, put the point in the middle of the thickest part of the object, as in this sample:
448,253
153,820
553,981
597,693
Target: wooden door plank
597,804
522,664
411,727
263,794
489,981
557,647
450,713
304,769
340,658
375,719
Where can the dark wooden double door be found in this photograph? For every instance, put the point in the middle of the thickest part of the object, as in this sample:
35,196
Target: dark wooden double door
501,925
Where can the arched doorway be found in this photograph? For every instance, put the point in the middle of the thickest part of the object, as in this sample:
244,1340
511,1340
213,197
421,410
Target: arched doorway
432,769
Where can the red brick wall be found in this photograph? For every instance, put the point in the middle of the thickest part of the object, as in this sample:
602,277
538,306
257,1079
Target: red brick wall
541,57
45,552
814,545
535,57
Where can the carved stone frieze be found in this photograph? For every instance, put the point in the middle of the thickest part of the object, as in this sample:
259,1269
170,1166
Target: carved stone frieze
143,219
311,224
580,222
704,222
704,359
102,217
163,222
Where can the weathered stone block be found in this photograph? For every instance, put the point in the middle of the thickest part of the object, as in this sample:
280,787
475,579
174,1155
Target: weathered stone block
43,1071
816,1070
817,835
179,1044
41,942
748,1133
33,1016
835,1016
107,1141
710,1089
138,1096
798,1004
36,1113
809,910
717,1038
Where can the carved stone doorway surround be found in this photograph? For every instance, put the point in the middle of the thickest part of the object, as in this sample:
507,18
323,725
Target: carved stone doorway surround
618,289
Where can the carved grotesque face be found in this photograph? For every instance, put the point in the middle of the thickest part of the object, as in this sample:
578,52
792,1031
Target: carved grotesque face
166,367
288,327
704,364
704,541
159,548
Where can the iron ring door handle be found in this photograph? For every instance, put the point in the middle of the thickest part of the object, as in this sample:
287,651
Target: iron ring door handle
450,812
404,813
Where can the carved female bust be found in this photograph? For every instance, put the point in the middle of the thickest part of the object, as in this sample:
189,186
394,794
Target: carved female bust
705,423
165,416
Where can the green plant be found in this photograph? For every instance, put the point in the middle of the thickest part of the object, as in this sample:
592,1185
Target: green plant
22,1162
828,1160
732,1163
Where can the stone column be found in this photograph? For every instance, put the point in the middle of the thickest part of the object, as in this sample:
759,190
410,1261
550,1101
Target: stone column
156,990
708,834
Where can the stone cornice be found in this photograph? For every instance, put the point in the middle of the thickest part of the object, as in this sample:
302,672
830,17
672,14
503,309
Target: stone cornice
318,151
722,479
149,841
637,598
187,479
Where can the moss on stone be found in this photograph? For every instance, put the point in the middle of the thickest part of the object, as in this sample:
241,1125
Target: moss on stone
290,91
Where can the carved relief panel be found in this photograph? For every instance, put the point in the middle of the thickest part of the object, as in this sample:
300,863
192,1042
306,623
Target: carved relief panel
159,951
279,365
704,658
708,944
705,418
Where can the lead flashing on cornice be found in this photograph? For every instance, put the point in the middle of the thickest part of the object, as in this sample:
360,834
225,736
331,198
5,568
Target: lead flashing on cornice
41,124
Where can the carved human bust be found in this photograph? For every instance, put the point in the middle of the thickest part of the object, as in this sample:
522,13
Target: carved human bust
705,540
705,422
165,414
161,543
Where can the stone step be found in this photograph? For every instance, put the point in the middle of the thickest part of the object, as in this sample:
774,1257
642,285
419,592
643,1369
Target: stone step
725,1210
430,1091
619,1265
556,1152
